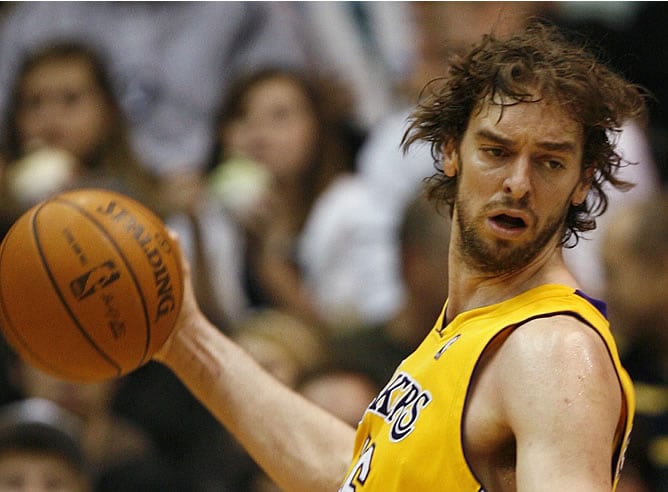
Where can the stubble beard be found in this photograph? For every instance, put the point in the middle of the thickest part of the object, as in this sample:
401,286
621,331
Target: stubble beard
500,257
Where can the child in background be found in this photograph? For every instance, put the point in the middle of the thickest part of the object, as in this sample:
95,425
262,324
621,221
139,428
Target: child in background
40,449
292,126
65,129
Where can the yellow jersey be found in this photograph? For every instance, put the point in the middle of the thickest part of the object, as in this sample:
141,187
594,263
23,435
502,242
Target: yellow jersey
410,438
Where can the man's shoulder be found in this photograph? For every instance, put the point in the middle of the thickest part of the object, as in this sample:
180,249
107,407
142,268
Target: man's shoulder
552,334
553,347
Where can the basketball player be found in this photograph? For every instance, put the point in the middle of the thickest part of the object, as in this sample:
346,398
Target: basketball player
518,386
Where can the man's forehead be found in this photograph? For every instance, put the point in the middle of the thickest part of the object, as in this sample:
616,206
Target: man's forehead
535,114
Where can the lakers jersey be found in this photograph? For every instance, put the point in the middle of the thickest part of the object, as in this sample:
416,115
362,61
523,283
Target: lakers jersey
410,437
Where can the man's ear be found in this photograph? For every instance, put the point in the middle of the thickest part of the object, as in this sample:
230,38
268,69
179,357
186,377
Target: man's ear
584,186
450,159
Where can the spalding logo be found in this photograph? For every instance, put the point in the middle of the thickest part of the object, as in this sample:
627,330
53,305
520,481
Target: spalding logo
153,245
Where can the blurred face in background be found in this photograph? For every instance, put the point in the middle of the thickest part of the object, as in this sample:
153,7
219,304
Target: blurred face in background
636,283
61,105
32,471
277,127
346,394
85,400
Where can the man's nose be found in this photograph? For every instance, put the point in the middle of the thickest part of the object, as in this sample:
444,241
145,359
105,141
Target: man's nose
517,182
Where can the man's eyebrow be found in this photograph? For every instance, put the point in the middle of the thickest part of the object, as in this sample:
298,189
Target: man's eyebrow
563,146
489,135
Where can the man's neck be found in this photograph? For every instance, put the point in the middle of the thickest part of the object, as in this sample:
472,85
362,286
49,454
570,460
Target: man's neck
412,323
470,289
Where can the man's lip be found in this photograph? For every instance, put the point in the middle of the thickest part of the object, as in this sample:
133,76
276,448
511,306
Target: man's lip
503,231
513,213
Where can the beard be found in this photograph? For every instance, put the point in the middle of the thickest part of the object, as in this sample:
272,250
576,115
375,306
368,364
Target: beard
499,256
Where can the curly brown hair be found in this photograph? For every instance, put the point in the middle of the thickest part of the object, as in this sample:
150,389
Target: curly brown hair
539,63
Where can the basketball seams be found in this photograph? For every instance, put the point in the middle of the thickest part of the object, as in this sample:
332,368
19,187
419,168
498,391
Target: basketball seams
8,326
77,323
103,265
119,251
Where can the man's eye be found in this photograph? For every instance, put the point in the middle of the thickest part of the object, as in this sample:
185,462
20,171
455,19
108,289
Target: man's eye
552,164
495,151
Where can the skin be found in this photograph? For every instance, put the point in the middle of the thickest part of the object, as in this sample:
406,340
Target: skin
277,128
85,400
62,106
545,402
279,428
345,393
637,286
31,471
554,370
105,438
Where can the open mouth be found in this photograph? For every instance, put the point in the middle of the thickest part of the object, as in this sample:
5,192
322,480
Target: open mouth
508,222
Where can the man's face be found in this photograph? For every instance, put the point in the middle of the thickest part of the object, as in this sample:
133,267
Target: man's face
518,172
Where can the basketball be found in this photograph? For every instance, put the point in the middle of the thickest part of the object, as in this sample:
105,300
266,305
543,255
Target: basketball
90,285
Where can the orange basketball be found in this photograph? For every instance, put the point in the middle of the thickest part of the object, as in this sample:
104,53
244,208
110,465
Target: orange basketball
90,285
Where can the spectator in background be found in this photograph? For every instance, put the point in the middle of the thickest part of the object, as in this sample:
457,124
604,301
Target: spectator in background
64,107
649,66
423,237
636,260
138,445
40,449
324,267
169,61
284,345
196,451
369,46
289,349
586,260
204,456
343,392
109,442
300,356
65,129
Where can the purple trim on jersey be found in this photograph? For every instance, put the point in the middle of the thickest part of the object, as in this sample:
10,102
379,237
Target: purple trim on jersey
598,304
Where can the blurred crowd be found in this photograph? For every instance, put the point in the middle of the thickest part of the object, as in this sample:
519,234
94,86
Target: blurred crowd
268,136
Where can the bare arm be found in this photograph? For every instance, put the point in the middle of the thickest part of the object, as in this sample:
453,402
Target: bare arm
302,447
562,400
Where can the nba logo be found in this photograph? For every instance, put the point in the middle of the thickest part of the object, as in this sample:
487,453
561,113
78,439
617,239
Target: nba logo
94,279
